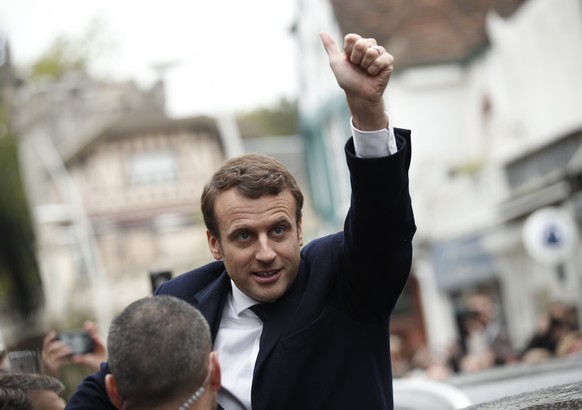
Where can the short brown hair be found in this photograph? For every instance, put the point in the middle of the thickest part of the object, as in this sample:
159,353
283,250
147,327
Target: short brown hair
16,387
158,349
253,175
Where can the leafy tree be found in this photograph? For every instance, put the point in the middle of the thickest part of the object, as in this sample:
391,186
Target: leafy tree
272,121
20,284
70,54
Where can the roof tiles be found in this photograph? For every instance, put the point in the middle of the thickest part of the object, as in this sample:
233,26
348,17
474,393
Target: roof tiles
421,32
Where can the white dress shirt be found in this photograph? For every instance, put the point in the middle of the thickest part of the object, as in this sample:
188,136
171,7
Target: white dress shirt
237,344
239,333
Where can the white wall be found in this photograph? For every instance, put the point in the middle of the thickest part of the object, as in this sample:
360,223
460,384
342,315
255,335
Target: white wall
534,73
317,84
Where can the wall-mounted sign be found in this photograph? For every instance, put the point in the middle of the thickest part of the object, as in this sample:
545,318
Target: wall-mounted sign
550,235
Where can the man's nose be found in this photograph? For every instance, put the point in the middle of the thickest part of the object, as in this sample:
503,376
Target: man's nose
265,252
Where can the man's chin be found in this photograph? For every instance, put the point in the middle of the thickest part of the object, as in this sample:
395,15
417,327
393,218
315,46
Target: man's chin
269,297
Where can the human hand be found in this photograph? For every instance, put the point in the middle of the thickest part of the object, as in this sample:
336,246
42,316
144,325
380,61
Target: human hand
56,353
363,71
99,355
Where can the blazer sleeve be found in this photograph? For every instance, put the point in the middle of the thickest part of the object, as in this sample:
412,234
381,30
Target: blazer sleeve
376,255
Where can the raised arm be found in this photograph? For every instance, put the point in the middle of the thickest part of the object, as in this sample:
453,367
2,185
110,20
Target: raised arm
376,251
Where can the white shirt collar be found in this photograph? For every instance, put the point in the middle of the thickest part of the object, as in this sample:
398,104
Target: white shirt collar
241,301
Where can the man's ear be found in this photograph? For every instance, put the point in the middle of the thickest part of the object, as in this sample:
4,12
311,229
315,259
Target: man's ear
214,246
112,392
300,231
215,378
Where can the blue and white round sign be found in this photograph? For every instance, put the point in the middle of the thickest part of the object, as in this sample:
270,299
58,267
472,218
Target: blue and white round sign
550,235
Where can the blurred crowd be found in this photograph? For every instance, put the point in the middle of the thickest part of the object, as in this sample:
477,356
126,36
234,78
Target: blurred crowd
31,383
484,342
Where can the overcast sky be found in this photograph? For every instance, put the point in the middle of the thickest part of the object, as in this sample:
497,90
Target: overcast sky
226,54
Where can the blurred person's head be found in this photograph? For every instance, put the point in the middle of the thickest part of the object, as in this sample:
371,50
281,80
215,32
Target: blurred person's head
556,321
482,306
562,313
536,355
560,310
160,357
570,344
30,392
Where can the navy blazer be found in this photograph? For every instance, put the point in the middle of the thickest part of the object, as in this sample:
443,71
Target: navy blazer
326,345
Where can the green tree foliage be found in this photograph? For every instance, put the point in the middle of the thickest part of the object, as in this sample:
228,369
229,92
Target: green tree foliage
69,54
20,284
272,121
61,57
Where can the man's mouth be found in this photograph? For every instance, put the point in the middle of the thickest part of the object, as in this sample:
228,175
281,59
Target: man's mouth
266,274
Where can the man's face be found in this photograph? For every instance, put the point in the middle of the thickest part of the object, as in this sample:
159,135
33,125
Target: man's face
260,242
46,400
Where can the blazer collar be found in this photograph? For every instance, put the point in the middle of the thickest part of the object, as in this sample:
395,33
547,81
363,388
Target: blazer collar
210,301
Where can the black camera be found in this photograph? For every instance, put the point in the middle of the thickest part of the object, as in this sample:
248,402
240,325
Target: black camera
79,341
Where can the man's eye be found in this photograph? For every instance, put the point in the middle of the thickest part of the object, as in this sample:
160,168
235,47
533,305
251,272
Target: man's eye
278,230
244,236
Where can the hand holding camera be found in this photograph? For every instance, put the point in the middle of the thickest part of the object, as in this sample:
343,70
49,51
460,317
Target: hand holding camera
83,346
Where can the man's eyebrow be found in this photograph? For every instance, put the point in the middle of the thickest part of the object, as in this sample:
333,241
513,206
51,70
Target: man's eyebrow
282,221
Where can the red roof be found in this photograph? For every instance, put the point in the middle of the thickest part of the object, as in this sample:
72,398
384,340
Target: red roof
421,32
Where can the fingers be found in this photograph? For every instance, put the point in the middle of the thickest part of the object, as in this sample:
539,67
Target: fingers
356,46
91,328
53,349
48,339
92,360
367,54
55,354
362,70
330,45
98,343
99,354
57,351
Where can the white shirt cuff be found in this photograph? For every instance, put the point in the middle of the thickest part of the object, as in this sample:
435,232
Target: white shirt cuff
374,144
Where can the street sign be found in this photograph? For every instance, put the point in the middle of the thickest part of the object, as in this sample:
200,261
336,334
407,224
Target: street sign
550,235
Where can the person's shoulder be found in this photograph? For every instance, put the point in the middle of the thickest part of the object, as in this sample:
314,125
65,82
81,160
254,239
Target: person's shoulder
193,280
210,270
322,244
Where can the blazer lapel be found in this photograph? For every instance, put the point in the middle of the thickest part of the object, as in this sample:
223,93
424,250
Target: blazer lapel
210,301
280,314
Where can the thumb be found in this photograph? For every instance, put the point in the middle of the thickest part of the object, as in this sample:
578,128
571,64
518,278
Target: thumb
330,45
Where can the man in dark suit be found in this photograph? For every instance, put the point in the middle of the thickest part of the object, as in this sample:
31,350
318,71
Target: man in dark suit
305,328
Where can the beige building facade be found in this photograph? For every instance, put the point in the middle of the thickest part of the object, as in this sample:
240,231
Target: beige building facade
114,190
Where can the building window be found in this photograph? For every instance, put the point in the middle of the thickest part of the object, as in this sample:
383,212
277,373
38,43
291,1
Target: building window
152,168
